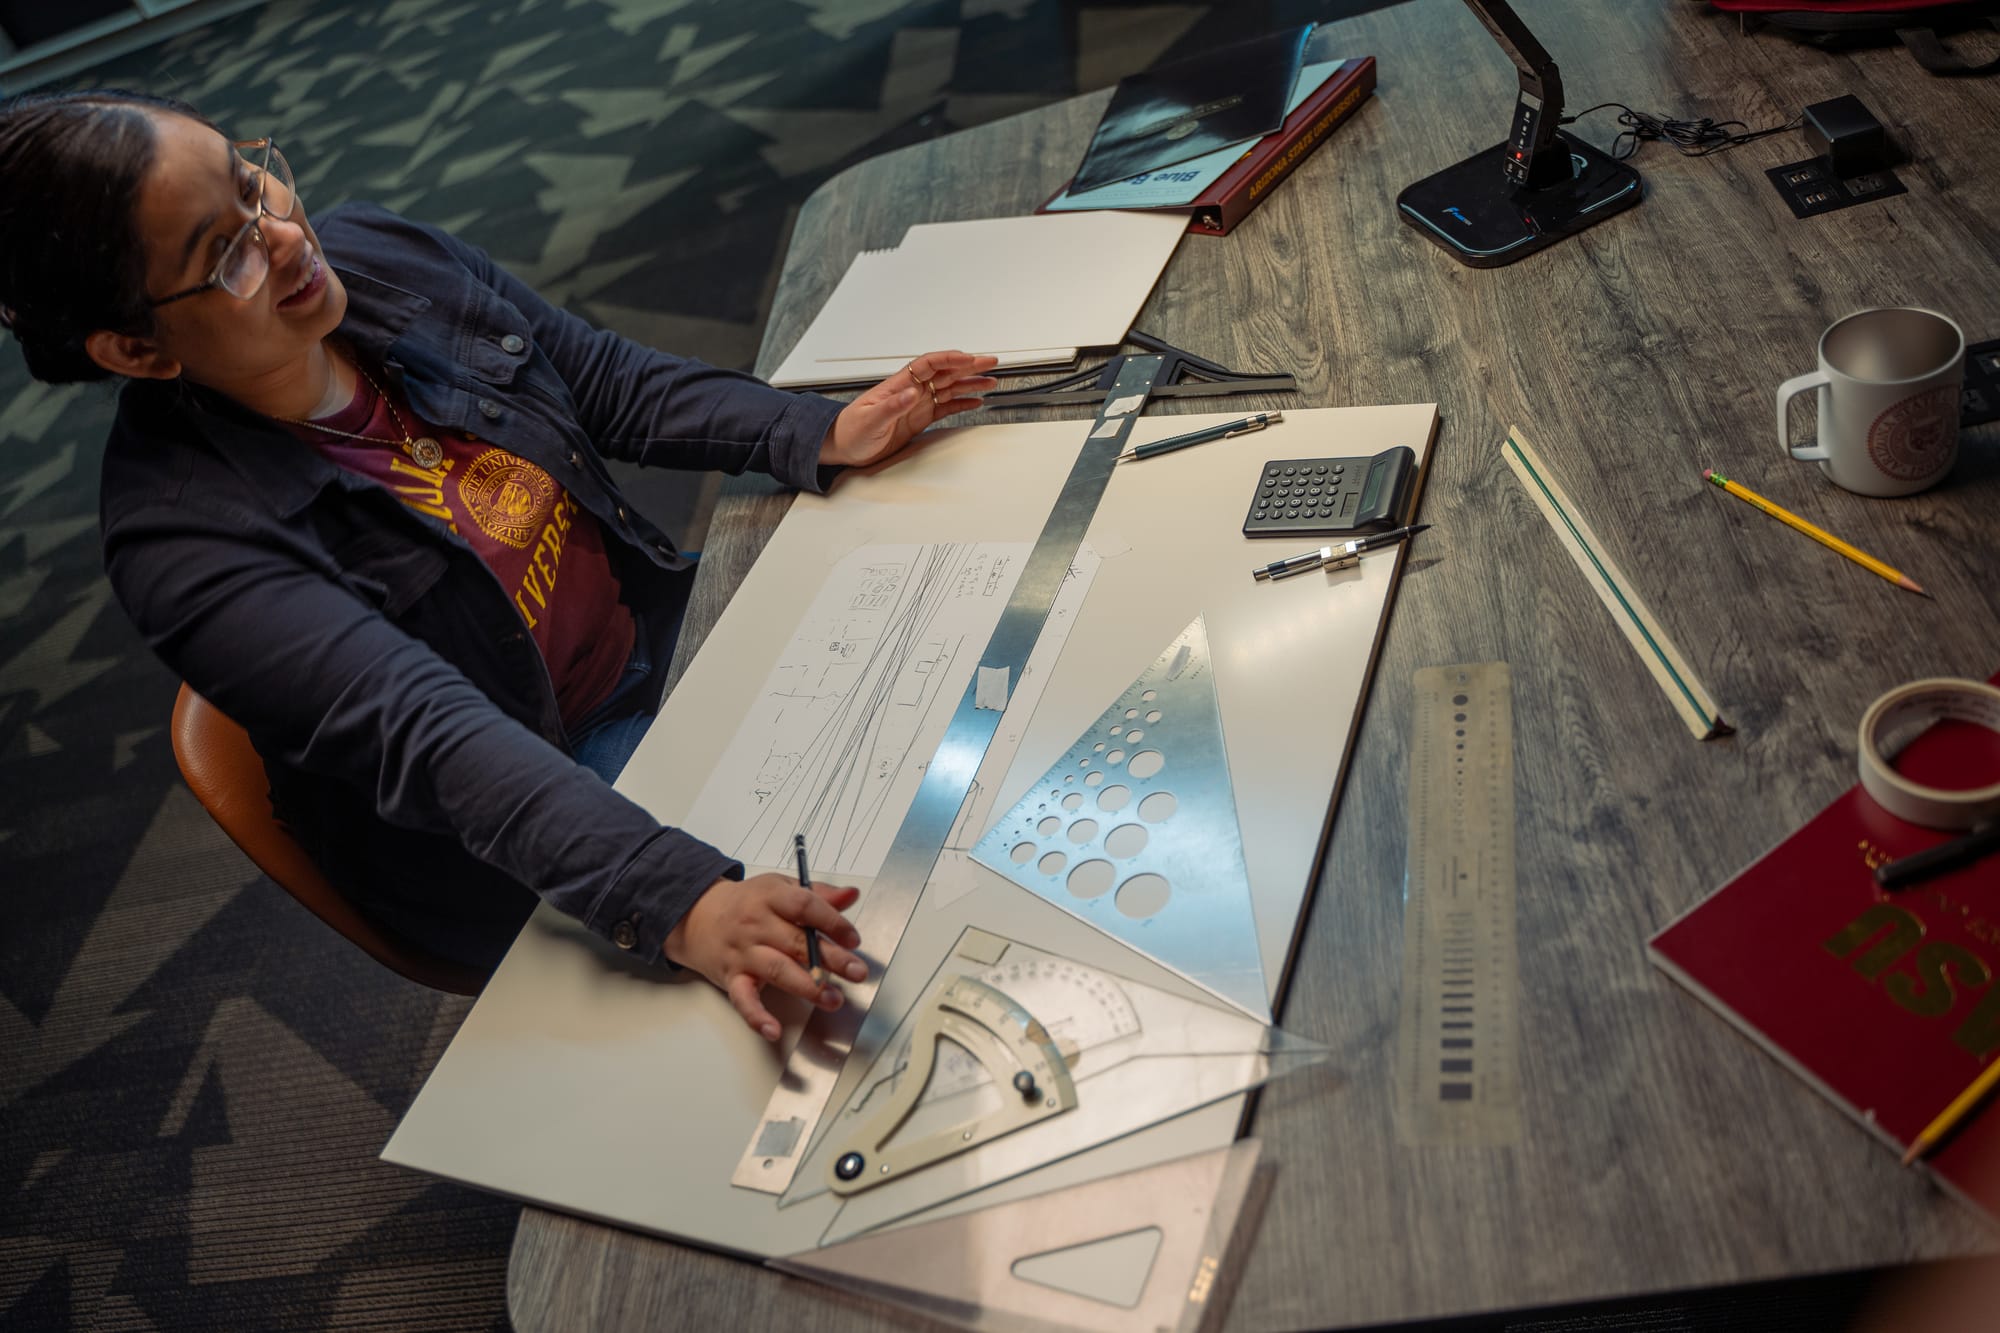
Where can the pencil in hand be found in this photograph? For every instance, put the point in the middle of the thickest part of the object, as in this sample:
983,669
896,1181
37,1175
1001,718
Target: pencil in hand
813,964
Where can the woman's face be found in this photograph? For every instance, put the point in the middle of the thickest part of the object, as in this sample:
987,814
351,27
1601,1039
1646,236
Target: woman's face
196,197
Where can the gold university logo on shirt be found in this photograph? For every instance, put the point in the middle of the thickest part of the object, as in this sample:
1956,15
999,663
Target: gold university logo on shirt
508,497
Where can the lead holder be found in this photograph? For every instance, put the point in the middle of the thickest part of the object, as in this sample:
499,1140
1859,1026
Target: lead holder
1889,383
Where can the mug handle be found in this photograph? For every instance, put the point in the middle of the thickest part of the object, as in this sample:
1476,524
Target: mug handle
1790,389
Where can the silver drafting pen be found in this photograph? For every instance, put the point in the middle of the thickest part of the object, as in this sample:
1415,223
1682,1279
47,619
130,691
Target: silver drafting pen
1344,556
1222,432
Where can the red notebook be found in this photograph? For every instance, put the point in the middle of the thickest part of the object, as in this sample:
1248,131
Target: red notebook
1275,156
1887,1003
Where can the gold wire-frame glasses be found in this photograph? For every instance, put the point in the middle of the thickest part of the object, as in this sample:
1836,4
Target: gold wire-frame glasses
246,261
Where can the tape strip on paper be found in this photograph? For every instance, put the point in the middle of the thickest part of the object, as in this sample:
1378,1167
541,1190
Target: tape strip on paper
1893,720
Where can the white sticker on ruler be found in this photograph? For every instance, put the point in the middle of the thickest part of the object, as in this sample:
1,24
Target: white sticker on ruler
1130,403
1105,430
991,691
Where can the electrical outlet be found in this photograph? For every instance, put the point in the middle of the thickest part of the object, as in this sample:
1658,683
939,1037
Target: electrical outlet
1979,402
1811,188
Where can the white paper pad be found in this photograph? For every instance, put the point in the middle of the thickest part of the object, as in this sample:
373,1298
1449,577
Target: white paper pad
1014,287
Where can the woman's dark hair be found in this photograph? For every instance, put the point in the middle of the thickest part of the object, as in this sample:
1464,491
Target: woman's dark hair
71,261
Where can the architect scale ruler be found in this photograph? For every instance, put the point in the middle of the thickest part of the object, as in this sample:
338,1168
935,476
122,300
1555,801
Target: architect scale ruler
1134,830
1662,660
1015,1058
1145,1252
1458,1038
813,1066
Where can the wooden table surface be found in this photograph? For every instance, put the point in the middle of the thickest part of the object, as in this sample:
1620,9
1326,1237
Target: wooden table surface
1661,1150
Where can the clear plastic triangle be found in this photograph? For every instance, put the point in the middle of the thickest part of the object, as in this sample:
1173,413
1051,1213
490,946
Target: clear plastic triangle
988,1269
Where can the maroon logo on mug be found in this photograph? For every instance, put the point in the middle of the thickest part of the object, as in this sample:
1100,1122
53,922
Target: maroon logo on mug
1912,440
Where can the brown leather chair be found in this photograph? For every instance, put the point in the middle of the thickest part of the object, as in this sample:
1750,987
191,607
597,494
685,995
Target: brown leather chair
227,777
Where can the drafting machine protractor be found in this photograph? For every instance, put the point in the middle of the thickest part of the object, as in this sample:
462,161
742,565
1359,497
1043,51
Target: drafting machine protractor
1083,1010
1017,1054
1135,1055
1134,831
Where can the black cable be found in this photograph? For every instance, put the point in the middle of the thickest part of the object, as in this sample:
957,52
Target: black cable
1690,138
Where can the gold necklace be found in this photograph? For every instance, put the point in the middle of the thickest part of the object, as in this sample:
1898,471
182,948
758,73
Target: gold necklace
425,452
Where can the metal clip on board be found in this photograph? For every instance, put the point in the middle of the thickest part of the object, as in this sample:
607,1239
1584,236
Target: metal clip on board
1181,375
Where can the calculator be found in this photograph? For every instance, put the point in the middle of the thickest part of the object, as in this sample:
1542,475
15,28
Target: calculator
1325,497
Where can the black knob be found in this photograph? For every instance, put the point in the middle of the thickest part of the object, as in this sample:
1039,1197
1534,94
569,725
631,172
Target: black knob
1024,1083
849,1166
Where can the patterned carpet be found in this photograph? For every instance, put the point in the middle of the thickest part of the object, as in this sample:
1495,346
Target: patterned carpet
195,1076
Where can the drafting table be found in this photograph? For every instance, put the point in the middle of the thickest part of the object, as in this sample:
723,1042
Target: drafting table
1661,1150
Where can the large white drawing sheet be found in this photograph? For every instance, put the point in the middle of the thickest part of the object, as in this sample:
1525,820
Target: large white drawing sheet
588,1081
835,744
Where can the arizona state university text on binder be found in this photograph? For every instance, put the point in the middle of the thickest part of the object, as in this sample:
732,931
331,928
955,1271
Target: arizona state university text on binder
1889,1004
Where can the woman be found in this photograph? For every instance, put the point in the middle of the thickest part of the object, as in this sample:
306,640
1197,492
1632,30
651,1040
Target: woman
356,496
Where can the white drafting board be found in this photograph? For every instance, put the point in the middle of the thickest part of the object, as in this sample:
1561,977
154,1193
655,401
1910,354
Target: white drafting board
586,1082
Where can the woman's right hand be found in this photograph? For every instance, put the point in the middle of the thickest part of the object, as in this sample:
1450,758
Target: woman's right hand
744,936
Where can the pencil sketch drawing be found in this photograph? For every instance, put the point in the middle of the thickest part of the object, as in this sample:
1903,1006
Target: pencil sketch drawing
835,745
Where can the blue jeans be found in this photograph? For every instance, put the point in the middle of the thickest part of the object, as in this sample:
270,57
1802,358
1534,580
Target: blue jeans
606,738
606,746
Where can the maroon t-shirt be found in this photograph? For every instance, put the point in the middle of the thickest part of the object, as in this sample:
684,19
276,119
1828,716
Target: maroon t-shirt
545,548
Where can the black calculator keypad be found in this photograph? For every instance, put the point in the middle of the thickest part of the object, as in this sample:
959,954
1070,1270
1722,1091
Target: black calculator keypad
1323,497
1301,498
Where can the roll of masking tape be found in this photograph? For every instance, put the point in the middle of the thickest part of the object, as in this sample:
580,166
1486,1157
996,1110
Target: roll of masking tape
1898,717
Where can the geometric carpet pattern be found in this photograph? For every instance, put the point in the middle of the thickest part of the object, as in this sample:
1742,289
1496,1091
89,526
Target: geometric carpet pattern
195,1075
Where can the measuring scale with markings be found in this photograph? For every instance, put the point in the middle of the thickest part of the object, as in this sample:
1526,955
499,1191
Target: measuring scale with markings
1015,1058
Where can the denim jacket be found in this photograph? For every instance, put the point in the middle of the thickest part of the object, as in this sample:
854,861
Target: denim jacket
403,712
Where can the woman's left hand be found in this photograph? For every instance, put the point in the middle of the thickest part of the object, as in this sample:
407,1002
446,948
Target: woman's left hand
934,386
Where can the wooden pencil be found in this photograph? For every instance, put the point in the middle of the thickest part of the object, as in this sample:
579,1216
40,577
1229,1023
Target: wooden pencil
1947,1119
1820,535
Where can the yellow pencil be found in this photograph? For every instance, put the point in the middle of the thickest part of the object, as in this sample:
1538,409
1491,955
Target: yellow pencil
1824,538
1948,1118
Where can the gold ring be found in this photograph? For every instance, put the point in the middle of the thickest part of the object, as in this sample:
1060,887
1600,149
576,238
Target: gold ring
911,370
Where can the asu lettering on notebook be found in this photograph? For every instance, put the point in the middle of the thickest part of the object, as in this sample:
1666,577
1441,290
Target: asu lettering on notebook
1885,945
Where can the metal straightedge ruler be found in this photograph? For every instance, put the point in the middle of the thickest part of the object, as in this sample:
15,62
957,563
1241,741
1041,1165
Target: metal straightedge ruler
1458,1065
790,1116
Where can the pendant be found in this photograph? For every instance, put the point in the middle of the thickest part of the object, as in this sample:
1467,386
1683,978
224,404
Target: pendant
426,452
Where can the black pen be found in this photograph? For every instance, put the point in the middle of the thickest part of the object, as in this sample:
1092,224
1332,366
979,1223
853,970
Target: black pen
812,936
1345,555
1901,873
1203,436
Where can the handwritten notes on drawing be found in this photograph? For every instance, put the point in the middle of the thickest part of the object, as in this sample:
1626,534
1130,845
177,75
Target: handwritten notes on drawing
836,743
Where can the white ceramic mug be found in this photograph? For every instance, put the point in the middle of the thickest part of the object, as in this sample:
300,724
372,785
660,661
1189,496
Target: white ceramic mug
1889,383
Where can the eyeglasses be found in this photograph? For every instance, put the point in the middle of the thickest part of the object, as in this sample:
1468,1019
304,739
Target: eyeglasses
247,260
